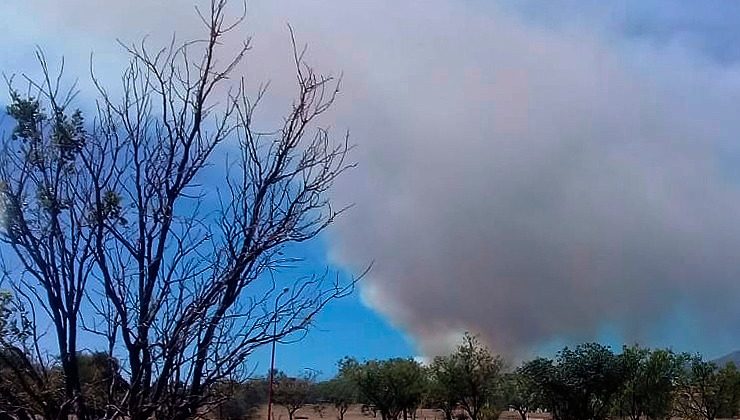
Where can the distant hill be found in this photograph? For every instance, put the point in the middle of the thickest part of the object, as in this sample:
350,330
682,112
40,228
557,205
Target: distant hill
732,357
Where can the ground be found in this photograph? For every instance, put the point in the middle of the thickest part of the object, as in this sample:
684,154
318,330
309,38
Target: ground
355,413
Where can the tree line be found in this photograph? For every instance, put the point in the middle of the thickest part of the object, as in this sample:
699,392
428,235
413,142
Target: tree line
586,382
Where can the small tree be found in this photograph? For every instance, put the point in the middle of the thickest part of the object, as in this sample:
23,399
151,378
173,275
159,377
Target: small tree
479,376
543,374
240,400
293,393
443,393
520,392
340,391
632,398
581,383
469,378
393,387
729,379
650,377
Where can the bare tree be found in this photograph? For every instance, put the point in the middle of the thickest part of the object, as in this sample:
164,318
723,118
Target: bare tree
707,392
44,210
121,232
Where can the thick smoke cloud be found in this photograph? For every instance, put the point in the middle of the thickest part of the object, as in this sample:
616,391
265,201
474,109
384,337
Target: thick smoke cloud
526,178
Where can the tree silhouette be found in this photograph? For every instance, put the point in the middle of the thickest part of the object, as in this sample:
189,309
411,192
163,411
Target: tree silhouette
117,217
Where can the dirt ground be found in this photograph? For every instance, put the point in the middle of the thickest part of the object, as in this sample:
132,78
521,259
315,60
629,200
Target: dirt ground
355,413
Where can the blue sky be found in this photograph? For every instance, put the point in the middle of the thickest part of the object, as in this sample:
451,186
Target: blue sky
539,173
346,327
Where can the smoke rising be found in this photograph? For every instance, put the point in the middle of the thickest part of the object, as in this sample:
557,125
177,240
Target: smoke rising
535,185
528,182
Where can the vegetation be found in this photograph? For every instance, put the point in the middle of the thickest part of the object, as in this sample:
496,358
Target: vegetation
392,387
469,378
521,393
341,392
650,382
581,383
108,232
293,393
240,400
586,382
707,392
442,392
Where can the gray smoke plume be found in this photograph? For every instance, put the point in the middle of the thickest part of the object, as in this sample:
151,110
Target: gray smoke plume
538,184
528,177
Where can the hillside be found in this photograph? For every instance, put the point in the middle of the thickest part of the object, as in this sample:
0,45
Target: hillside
732,357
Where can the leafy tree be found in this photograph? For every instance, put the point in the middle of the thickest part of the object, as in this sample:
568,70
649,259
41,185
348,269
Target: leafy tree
632,398
443,393
650,377
393,387
546,381
293,393
594,376
581,384
479,376
469,378
240,400
729,379
340,391
520,392
707,392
